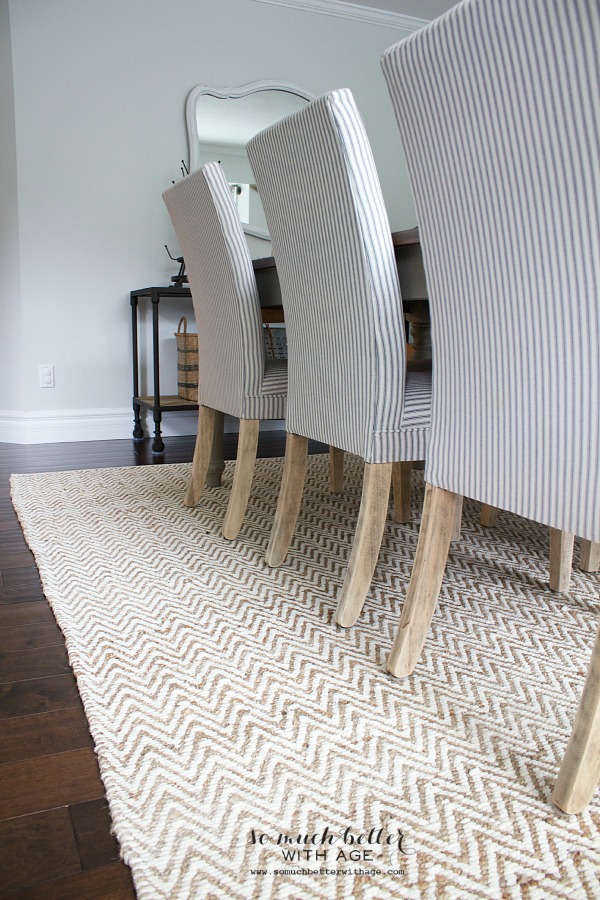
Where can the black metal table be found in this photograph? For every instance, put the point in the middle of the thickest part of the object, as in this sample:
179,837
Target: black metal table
156,402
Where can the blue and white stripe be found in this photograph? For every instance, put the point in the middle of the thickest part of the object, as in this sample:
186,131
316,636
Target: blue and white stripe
332,244
233,375
498,105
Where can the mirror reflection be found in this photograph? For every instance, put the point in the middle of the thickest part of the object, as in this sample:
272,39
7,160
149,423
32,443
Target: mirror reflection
220,123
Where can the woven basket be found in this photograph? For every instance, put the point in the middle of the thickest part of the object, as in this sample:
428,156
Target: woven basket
187,362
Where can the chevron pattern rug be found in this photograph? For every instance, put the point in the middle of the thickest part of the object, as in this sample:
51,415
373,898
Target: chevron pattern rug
250,748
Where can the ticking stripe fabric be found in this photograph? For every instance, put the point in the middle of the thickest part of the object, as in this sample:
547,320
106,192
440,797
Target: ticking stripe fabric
498,106
339,283
233,377
269,404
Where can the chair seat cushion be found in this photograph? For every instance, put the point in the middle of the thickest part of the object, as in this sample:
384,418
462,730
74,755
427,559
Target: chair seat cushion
271,402
409,442
417,400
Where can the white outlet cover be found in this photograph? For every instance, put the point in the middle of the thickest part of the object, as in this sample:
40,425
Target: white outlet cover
46,375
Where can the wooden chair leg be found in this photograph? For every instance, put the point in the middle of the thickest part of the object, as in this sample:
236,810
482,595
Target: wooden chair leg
336,470
437,526
561,560
216,465
580,769
202,454
489,515
590,557
367,542
401,486
242,478
290,498
457,520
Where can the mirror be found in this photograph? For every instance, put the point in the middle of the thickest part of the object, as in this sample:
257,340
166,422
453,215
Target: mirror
221,121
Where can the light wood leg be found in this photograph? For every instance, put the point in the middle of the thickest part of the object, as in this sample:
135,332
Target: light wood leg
290,498
561,560
242,478
202,452
437,525
217,463
590,557
401,485
580,769
457,520
489,515
367,542
336,470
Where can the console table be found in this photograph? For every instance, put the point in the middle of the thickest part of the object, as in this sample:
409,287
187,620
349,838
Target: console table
155,402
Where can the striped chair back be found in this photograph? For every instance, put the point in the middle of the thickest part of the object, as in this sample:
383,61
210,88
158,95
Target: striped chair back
498,105
339,283
225,297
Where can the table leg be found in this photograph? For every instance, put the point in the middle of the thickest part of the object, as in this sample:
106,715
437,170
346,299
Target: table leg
138,432
217,463
158,443
420,330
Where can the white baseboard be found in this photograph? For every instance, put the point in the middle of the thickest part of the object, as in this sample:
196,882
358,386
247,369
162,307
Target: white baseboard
67,425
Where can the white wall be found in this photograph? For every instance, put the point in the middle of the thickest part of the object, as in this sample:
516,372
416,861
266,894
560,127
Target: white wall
11,348
99,130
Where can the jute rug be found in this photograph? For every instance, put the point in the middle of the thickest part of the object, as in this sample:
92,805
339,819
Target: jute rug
250,748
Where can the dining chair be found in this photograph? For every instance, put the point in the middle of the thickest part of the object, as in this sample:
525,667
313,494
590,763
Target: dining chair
234,376
348,384
497,106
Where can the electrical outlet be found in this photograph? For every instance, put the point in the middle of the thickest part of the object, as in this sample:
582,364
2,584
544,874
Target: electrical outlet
46,376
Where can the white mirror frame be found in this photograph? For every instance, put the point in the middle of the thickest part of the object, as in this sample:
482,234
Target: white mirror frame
231,93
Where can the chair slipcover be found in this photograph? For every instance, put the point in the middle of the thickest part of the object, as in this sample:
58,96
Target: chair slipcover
331,238
234,376
498,106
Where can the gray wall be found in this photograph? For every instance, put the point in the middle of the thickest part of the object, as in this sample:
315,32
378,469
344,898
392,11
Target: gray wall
95,133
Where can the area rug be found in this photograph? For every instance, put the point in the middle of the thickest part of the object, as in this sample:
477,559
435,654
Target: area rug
251,748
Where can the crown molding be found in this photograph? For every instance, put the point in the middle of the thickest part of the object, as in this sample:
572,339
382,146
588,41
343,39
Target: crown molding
344,10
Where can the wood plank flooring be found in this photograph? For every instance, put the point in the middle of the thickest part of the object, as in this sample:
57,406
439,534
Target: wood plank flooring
55,839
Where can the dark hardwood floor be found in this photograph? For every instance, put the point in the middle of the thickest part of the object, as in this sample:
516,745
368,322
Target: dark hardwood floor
55,839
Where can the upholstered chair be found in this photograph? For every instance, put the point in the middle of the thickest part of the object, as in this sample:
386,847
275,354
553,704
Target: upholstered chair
497,105
234,376
348,384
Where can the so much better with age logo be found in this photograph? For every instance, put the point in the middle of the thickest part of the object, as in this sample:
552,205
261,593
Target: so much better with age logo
334,851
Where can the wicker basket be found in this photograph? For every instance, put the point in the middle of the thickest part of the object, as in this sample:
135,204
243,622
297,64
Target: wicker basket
187,362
